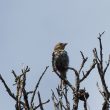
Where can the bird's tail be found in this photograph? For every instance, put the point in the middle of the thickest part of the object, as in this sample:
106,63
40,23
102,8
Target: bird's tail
63,83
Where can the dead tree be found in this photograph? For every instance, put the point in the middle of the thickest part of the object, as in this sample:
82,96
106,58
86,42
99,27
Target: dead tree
21,95
101,71
60,96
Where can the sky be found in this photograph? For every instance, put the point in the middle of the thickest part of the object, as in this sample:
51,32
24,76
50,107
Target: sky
29,29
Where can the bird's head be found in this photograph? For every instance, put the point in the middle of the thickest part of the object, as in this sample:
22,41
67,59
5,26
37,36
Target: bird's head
60,46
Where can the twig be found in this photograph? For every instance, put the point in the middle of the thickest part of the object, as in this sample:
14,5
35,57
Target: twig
100,90
83,61
101,48
85,105
60,95
43,103
25,93
26,100
96,54
14,73
88,72
34,92
75,71
59,104
24,71
102,93
8,90
67,102
40,102
53,99
30,92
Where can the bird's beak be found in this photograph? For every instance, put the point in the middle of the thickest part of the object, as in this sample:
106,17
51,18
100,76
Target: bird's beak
65,44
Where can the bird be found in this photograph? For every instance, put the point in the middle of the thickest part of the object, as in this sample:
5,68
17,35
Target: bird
60,61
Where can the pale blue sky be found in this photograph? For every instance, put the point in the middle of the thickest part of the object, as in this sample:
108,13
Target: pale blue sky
29,29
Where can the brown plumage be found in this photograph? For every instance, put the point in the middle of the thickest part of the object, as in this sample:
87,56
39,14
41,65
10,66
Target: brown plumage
60,60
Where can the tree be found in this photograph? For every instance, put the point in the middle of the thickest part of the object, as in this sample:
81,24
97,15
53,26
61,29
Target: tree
60,99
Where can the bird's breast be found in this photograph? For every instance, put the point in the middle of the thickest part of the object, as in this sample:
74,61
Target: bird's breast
61,60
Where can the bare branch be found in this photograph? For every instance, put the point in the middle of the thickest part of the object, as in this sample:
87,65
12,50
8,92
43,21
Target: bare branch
100,90
96,54
34,92
53,94
101,48
102,93
83,61
14,73
30,92
100,35
43,103
24,71
8,90
66,81
75,71
85,105
25,93
54,99
58,103
67,101
88,72
26,99
22,94
102,72
40,102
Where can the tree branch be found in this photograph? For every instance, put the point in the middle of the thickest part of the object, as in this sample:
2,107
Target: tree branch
88,72
37,85
83,61
8,90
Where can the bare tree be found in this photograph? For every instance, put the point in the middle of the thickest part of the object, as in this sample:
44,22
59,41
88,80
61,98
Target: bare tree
60,97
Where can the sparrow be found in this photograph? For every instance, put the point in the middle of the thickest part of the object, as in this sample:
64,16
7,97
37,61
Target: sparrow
60,60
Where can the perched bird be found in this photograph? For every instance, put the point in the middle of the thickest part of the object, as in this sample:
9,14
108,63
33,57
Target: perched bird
60,60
